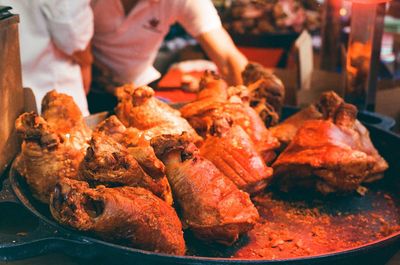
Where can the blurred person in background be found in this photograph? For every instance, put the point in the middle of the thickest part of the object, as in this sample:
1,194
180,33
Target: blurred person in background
54,38
128,34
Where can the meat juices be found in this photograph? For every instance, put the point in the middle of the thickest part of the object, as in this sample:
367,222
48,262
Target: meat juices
212,206
126,215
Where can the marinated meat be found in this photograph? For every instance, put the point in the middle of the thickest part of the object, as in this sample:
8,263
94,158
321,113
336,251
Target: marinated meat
332,154
135,142
231,150
212,206
44,157
201,113
286,130
65,118
109,163
127,215
139,108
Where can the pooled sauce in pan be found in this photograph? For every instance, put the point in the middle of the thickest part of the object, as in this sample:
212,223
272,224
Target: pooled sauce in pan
295,225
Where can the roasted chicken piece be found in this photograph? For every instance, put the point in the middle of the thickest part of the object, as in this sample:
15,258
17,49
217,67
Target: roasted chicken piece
231,150
139,108
44,157
65,118
212,206
127,215
332,154
267,92
109,163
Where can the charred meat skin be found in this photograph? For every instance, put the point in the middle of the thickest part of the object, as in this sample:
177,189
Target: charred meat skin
44,158
212,103
231,150
334,152
128,215
109,163
212,206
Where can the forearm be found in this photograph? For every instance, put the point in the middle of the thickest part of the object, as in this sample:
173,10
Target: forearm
222,51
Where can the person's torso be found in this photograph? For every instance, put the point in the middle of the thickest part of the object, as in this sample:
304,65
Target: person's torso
128,44
44,67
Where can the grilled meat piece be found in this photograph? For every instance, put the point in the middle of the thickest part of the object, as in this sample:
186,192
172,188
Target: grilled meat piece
136,143
201,114
128,215
65,118
44,156
286,130
212,206
109,163
139,108
241,115
231,150
332,154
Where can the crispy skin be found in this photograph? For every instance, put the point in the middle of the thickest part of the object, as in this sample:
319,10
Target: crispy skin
65,118
44,158
241,115
212,206
127,215
286,130
109,163
333,154
139,108
136,143
202,113
231,150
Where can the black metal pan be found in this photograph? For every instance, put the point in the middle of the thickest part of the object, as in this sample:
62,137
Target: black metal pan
355,227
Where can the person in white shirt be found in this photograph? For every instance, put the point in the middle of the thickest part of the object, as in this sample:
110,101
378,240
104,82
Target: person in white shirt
52,36
128,34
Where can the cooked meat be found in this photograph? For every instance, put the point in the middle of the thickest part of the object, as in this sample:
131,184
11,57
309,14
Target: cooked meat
44,157
127,215
135,142
201,114
333,154
139,108
241,115
212,206
109,163
265,88
212,87
286,130
65,118
327,105
231,150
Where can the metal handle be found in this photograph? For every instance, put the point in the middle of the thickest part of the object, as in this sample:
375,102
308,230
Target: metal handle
377,120
5,12
44,239
39,239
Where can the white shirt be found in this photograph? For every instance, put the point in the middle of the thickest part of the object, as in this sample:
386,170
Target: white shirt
128,45
50,30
